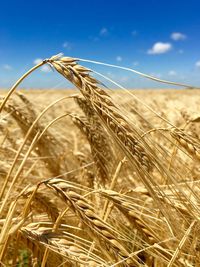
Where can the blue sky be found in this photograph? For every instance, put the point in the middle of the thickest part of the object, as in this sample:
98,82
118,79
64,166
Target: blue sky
160,38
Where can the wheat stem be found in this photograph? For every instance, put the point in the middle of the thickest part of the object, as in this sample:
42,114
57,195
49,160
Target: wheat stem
18,82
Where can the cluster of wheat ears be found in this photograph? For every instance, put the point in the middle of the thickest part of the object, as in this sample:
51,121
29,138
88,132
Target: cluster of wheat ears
126,192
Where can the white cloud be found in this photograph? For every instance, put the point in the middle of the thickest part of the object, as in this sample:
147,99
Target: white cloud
135,63
67,45
178,36
37,61
197,64
159,48
172,73
7,67
103,32
118,58
44,68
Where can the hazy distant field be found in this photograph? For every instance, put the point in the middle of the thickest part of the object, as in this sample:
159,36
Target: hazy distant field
169,101
175,98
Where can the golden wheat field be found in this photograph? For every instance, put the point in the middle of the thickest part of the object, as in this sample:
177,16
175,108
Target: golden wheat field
99,177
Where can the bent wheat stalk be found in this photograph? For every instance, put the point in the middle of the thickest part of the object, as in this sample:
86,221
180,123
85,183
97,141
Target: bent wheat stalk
126,135
19,81
85,211
103,106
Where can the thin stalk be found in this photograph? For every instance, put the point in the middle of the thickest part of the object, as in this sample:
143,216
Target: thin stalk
181,244
106,210
35,139
25,139
18,82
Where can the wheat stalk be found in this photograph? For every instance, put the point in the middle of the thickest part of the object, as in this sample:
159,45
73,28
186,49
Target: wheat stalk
104,107
85,211
62,242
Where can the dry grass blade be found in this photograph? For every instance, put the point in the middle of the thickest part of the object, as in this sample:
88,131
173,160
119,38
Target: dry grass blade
182,242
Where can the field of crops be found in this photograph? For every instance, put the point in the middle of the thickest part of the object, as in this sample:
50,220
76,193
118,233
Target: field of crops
99,177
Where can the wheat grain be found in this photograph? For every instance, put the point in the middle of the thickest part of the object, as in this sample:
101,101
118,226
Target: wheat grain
188,142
